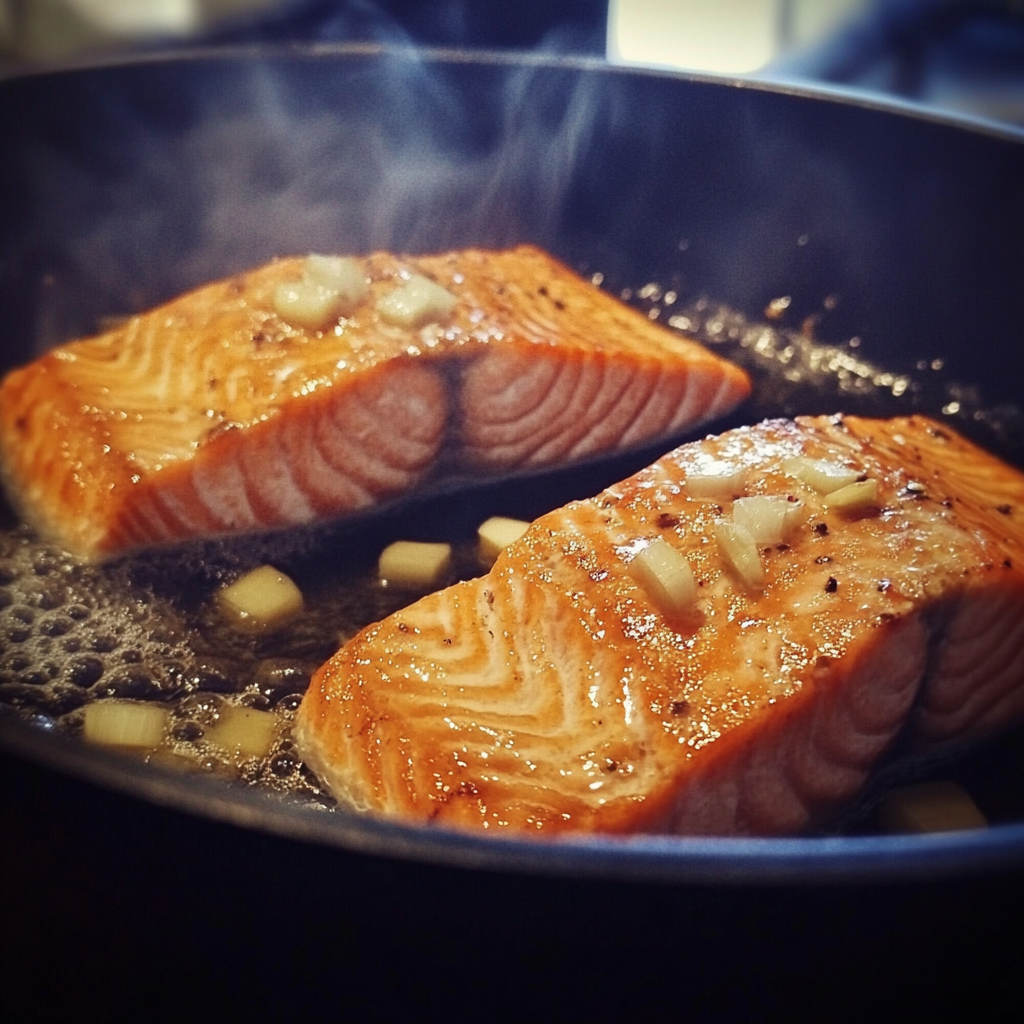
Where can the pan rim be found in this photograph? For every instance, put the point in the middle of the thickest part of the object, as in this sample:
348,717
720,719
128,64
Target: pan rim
759,82
702,860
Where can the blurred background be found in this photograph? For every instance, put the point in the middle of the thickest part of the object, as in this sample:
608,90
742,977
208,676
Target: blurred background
965,55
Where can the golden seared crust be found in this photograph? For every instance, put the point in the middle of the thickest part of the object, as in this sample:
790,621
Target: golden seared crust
555,693
213,414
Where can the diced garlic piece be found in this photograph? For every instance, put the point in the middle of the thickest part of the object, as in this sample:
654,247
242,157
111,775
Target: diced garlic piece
666,576
796,513
343,274
245,732
929,807
716,480
823,476
766,516
408,563
170,759
118,723
307,304
740,550
855,497
497,533
417,302
262,600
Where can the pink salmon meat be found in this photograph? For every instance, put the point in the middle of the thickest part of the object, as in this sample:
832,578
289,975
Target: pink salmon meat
563,691
215,414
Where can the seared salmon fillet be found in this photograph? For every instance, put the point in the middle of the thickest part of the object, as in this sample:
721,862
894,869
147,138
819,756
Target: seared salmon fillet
239,408
852,580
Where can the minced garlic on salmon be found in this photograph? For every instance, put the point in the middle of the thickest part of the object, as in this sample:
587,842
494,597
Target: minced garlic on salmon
313,387
562,691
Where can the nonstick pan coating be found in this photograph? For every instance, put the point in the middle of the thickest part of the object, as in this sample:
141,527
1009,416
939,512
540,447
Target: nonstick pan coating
896,235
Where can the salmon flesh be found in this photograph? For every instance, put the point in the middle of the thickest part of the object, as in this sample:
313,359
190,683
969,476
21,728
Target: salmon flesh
565,691
219,414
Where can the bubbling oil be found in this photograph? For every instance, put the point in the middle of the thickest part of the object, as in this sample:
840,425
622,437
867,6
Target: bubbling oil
147,628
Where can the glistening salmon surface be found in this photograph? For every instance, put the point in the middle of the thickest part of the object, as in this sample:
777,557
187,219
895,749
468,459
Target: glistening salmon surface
849,580
313,388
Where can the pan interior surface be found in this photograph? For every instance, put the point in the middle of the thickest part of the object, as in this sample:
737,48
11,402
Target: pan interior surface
880,248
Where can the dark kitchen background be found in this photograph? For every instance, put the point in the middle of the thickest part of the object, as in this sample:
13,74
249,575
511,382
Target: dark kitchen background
163,916
965,55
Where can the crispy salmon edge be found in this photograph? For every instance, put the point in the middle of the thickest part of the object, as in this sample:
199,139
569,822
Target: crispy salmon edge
55,518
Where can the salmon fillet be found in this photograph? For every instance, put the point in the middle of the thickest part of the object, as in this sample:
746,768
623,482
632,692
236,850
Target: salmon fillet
216,414
561,692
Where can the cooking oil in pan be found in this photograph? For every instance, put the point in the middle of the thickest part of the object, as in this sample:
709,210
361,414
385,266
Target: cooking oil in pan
147,629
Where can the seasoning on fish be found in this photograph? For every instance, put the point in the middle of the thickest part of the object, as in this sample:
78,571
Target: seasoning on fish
313,387
562,692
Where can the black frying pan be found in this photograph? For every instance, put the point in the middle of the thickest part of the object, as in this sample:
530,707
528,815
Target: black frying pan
122,185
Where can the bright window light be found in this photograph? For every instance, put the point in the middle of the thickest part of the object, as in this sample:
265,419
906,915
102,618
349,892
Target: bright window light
134,17
730,36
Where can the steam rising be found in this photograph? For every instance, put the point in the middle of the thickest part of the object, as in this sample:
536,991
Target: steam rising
199,185
123,186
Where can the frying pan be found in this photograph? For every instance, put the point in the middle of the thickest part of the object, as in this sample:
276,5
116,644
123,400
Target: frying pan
897,232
